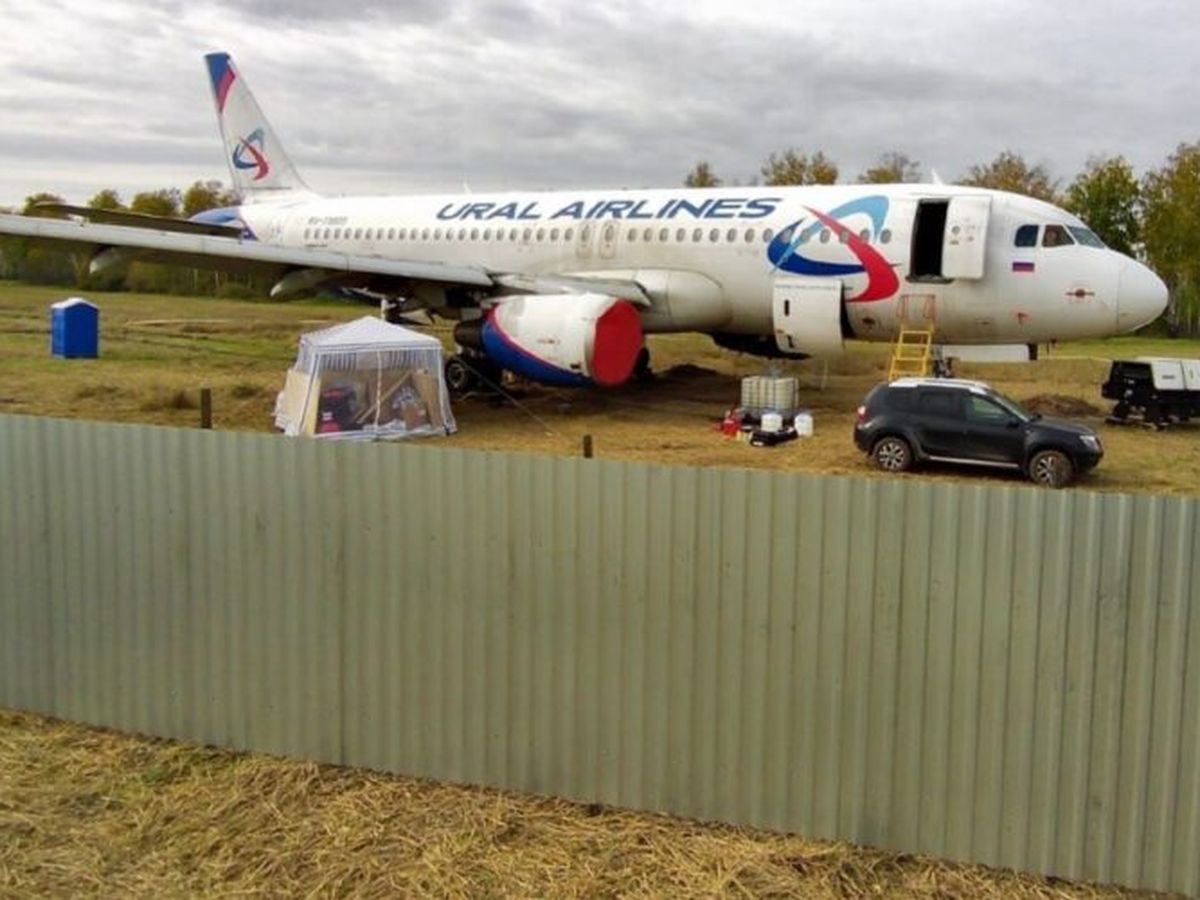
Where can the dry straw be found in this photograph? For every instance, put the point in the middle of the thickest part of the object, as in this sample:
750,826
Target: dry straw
86,811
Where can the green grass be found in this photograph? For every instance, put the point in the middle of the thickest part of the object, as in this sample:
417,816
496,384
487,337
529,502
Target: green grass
157,352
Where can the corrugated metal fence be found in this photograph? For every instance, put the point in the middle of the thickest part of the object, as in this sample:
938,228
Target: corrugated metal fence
996,674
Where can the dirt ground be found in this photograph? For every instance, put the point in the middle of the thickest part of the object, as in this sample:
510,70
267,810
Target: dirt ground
673,418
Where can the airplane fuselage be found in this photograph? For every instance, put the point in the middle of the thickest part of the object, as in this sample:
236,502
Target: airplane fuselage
903,255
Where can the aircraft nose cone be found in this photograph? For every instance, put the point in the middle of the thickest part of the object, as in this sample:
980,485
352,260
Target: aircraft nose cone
1141,297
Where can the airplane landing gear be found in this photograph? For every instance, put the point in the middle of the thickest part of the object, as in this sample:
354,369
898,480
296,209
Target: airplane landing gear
943,368
466,372
641,368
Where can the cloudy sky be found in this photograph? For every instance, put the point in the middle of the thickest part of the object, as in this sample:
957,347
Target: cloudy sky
433,94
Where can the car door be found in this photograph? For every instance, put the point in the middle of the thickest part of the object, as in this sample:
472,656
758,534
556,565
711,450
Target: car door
939,421
993,434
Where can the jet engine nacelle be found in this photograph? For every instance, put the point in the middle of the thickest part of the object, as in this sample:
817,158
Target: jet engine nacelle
565,339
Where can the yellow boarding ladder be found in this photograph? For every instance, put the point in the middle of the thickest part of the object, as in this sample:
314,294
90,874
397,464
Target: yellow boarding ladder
911,354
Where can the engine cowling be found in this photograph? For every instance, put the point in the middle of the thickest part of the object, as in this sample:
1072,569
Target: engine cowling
565,339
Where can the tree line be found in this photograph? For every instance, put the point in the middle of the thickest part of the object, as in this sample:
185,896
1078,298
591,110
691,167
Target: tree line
1155,218
23,260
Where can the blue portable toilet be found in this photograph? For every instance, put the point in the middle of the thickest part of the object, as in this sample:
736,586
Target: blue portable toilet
74,329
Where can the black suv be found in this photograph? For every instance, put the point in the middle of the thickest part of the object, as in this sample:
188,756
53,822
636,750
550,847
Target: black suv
951,420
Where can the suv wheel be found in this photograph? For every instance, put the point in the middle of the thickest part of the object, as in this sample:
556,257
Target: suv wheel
892,454
1050,468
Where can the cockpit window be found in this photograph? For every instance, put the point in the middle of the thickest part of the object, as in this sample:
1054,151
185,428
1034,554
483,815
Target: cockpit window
1056,236
1086,236
1026,236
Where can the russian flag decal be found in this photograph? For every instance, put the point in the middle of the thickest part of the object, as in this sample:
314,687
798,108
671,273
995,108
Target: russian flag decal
1022,267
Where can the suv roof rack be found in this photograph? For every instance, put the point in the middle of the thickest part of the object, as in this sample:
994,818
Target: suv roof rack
962,383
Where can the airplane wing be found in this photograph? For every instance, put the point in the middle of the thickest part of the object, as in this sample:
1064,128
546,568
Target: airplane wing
626,289
136,220
294,269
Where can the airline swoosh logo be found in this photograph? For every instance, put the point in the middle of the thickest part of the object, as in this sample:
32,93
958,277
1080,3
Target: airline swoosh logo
882,281
248,154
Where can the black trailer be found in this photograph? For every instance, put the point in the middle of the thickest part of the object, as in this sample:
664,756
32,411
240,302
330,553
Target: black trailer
1155,391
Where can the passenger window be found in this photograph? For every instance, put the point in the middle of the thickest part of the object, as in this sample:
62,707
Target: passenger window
664,234
885,236
647,234
569,234
554,234
1056,236
749,235
938,403
767,235
697,234
984,411
1026,236
632,235
714,235
541,235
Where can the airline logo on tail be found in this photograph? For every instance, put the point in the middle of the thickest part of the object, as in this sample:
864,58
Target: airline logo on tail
248,154
784,250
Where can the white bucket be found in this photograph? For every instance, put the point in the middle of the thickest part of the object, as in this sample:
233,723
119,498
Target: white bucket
772,422
804,424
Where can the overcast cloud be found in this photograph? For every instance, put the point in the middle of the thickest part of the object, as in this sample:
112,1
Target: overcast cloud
428,95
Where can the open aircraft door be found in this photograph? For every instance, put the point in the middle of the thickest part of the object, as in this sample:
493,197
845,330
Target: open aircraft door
807,315
965,238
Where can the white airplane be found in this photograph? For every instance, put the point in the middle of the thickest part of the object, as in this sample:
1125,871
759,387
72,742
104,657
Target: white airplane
562,286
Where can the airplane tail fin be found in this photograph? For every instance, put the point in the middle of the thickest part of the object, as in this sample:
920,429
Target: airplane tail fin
257,161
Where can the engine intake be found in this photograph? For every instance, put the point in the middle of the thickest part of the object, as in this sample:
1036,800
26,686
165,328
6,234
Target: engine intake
564,339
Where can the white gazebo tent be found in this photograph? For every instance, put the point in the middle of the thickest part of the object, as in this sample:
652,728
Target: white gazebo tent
365,379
